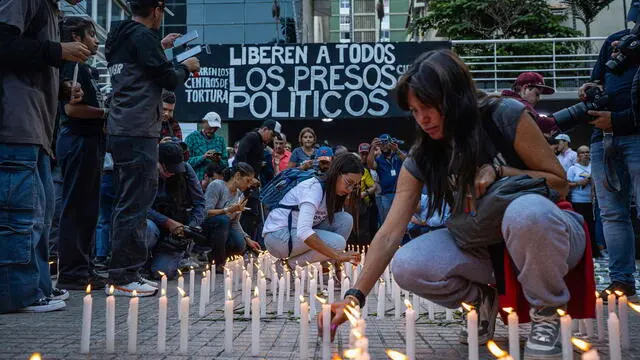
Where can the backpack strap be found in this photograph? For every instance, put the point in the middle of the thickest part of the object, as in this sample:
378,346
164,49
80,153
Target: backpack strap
291,209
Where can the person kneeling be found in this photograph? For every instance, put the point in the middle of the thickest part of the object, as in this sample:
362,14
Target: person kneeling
311,226
179,202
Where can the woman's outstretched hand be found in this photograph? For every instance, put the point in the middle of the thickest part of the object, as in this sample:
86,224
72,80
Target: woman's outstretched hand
337,317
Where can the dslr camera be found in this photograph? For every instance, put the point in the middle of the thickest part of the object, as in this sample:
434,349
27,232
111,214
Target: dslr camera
568,118
627,51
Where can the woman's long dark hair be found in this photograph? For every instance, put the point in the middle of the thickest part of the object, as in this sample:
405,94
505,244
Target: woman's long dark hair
439,79
341,164
78,25
241,168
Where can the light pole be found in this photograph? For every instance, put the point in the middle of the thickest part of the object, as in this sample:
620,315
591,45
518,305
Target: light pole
380,15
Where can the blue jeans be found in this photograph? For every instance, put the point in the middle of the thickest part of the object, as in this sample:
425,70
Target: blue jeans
599,231
385,201
57,190
161,261
26,209
80,158
615,206
224,240
103,230
135,170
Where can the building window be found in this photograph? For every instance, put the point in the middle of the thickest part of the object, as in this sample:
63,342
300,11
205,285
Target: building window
385,35
345,36
345,20
345,4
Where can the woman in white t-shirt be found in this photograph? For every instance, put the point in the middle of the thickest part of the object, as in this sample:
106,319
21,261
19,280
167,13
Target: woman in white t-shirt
579,176
320,227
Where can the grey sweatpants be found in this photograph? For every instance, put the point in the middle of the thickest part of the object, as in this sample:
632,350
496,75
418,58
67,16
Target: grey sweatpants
334,235
544,242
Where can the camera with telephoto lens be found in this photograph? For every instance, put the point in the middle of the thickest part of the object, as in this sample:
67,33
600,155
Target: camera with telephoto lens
627,52
595,99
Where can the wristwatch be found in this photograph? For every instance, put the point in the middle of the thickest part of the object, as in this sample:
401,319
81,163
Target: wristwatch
357,294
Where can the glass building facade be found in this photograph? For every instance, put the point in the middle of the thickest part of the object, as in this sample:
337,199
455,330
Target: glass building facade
356,21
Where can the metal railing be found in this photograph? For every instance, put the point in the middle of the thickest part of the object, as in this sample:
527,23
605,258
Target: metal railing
566,63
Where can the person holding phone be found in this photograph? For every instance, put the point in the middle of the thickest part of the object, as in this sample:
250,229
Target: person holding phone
302,157
387,165
206,146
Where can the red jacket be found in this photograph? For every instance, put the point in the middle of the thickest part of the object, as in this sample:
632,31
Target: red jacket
580,280
545,123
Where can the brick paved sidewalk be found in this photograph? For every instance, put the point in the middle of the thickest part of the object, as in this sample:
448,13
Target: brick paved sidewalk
57,335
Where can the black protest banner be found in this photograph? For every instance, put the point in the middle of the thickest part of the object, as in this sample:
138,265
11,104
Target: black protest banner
298,81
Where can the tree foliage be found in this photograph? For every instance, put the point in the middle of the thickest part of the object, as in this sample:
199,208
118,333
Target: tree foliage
587,10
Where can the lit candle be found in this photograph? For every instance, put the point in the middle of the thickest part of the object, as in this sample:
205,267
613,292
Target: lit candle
346,284
397,299
297,296
326,328
356,273
227,280
203,294
255,323
192,285
600,317
611,301
281,287
87,306
274,284
304,328
287,285
331,284
472,331
410,330
514,338
313,288
162,321
132,322
395,355
588,323
262,286
181,286
163,281
585,346
228,324
387,277
213,277
319,276
303,279
497,352
247,298
111,321
615,350
565,334
184,321
207,285
623,315
381,299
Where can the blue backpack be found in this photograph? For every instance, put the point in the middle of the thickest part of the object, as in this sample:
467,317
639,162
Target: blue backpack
271,195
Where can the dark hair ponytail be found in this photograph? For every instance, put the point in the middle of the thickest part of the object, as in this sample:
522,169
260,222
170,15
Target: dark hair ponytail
78,25
242,168
342,164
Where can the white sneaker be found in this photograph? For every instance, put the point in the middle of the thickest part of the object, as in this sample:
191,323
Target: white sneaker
149,282
44,305
140,287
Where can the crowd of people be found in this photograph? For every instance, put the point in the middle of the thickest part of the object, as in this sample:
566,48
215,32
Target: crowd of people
134,199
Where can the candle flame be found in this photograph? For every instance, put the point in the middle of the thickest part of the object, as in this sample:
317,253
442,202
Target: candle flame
191,267
467,306
336,357
407,303
561,312
597,294
495,349
321,299
358,335
352,308
182,293
161,273
179,273
352,319
163,292
89,289
618,293
134,294
213,262
111,290
352,353
207,267
229,294
204,274
35,356
581,344
608,292
256,292
635,307
396,355
51,262
301,299
508,310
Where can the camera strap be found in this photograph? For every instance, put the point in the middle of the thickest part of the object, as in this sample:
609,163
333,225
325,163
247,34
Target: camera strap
611,180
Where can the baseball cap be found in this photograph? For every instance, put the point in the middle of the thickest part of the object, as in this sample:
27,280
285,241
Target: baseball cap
563,137
534,79
364,147
272,125
213,119
324,153
385,138
634,10
170,155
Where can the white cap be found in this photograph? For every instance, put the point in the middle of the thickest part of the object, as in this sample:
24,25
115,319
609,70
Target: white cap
563,137
213,119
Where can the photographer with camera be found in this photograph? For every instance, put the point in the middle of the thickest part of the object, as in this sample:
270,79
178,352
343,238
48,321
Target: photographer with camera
179,205
139,72
615,149
388,165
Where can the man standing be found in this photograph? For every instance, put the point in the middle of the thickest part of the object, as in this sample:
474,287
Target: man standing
280,154
204,144
139,71
388,166
564,153
170,127
527,89
29,89
579,176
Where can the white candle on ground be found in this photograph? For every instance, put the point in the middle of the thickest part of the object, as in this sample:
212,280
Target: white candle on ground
208,285
296,297
588,323
611,302
213,277
163,281
110,321
263,295
381,299
87,309
623,315
346,284
331,289
397,299
472,332
281,288
184,321
192,285
228,324
585,346
162,321
410,330
274,285
615,350
326,329
181,286
313,288
565,334
255,323
132,322
514,337
304,328
600,318
287,285
590,355
203,294
247,298
227,281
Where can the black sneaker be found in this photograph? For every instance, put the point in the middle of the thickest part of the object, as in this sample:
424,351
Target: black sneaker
627,289
44,305
96,282
487,309
58,294
544,340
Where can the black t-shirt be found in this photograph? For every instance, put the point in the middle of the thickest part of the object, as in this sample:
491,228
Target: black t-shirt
92,97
